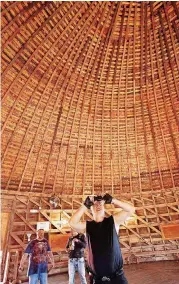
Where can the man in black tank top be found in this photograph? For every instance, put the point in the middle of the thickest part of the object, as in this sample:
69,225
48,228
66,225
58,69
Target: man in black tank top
105,261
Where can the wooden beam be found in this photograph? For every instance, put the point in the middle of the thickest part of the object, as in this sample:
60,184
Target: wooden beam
123,195
17,239
35,202
135,233
25,221
15,272
46,202
21,200
148,253
124,244
147,224
66,214
52,222
175,209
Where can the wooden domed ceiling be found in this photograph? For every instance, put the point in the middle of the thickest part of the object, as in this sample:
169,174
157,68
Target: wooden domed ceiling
90,96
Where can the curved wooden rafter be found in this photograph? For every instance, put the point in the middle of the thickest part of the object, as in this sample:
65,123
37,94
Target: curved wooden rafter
51,95
55,44
30,40
24,25
52,69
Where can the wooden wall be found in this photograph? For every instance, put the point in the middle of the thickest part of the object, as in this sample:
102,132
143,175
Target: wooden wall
141,237
5,216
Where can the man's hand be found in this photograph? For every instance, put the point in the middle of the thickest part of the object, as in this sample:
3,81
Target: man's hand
76,240
51,266
107,198
88,203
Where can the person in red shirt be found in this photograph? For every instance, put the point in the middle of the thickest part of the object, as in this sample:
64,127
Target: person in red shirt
39,254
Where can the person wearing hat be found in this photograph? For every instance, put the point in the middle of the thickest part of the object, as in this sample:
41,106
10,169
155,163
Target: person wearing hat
105,263
39,253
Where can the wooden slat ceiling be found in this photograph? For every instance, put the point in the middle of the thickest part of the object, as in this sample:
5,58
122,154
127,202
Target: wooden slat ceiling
90,96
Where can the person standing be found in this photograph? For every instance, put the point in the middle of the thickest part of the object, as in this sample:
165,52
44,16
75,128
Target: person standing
105,262
39,254
75,247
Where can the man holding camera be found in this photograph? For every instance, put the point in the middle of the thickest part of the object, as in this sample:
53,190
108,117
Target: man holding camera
105,261
75,247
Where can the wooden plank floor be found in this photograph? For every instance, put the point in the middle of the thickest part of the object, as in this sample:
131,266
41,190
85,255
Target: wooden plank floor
144,273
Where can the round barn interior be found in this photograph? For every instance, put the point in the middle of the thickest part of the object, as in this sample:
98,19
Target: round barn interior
90,104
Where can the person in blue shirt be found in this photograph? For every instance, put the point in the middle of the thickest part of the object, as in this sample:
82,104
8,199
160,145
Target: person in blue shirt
39,254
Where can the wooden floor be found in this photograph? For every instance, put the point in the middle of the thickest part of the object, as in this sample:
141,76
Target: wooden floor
144,273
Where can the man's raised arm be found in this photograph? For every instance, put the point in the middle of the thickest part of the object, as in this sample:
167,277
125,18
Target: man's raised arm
127,210
23,260
75,223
